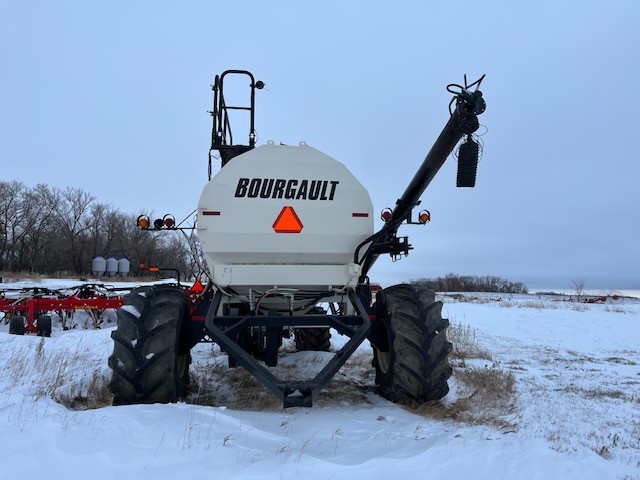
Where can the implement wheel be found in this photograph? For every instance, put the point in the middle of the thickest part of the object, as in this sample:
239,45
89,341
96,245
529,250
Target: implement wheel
412,358
44,325
16,325
150,360
313,338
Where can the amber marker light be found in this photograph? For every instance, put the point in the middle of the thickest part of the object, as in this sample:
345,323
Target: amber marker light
143,221
424,217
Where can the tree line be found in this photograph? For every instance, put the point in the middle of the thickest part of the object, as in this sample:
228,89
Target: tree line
471,283
58,231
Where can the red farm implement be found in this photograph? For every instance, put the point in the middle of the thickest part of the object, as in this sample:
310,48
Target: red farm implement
34,304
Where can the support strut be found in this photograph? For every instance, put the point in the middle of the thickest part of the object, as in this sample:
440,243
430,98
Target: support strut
223,330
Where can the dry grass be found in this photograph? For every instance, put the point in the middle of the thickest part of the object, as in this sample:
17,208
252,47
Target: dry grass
603,450
466,343
460,298
618,309
12,277
537,304
214,384
78,380
596,393
95,394
540,304
483,395
490,386
65,376
486,396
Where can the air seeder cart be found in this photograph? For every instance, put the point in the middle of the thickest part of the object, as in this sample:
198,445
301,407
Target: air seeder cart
288,236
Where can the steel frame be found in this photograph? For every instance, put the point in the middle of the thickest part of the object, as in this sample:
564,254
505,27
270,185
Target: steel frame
224,330
30,306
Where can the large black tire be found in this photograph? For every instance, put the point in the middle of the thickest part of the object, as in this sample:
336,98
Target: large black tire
16,325
150,361
413,360
313,338
44,325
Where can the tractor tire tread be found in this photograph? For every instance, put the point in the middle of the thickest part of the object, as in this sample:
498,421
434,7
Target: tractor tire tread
418,349
315,338
145,355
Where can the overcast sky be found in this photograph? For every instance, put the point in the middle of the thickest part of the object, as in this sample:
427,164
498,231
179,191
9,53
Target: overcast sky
112,97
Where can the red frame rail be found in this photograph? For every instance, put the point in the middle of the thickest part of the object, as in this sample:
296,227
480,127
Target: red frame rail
30,305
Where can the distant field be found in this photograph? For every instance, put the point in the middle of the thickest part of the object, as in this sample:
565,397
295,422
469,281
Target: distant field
543,387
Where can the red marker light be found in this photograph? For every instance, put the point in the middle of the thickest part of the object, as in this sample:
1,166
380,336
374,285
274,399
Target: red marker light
386,215
169,221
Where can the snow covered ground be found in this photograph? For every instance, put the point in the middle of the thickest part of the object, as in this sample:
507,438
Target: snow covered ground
575,413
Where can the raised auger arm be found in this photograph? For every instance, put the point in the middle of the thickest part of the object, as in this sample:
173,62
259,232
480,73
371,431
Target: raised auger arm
463,121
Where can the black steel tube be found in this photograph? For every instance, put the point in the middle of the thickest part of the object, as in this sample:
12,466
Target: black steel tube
221,134
443,146
462,121
251,106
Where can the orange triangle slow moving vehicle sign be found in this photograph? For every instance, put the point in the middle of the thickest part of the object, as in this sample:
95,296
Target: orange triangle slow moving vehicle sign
287,221
197,287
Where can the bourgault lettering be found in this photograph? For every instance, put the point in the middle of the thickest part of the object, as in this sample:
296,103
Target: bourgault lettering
289,189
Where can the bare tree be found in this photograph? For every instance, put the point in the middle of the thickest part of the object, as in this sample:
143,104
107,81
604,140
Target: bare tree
96,228
73,217
10,218
50,230
197,262
577,284
471,283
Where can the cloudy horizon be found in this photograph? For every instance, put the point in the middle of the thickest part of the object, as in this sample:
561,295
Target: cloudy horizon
112,98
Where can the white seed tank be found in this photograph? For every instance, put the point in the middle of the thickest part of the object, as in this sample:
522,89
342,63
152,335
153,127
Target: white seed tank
124,265
285,217
98,266
112,266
